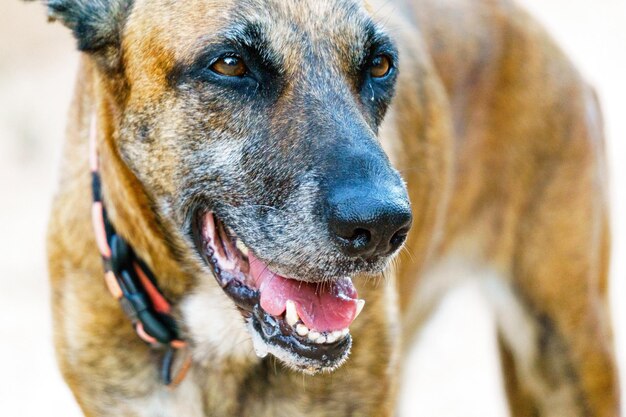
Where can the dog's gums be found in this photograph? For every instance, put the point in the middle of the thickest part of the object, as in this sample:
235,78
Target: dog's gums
304,324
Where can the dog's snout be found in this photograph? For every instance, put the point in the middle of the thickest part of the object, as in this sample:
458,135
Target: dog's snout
369,225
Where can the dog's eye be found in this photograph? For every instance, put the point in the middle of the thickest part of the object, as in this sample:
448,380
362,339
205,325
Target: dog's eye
230,66
380,66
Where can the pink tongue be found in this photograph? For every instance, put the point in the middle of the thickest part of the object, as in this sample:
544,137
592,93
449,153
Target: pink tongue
322,307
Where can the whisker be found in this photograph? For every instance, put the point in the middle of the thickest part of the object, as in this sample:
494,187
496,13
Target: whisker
406,249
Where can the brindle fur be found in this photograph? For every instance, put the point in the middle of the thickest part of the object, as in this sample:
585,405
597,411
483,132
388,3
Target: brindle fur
497,136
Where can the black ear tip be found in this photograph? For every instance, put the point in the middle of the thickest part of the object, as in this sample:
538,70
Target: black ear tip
95,23
57,6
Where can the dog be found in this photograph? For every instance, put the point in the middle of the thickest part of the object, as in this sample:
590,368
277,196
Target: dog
262,172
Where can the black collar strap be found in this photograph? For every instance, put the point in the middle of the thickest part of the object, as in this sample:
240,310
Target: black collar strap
132,283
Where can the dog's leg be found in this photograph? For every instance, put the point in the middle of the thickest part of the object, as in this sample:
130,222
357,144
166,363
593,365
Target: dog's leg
540,369
520,400
552,313
551,369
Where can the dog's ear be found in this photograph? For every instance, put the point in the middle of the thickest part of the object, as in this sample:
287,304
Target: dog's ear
97,24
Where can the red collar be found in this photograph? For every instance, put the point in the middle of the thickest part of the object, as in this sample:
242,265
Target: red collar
132,283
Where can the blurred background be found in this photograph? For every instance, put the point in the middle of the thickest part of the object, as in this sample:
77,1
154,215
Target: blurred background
453,372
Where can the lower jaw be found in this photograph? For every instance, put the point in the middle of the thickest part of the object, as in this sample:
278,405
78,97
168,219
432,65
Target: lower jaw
272,335
269,338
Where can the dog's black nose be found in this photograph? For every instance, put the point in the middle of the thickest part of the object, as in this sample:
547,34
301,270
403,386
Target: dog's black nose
369,225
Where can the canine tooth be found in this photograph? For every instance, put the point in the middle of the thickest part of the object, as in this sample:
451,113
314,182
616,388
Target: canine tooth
336,334
302,330
242,248
359,307
313,335
331,338
260,348
291,315
320,340
345,332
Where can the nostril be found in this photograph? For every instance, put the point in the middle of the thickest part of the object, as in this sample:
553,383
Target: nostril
355,239
360,237
398,238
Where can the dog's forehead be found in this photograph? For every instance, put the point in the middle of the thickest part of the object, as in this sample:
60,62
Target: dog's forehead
168,31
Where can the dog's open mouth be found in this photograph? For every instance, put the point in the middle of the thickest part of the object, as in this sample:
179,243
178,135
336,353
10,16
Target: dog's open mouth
303,324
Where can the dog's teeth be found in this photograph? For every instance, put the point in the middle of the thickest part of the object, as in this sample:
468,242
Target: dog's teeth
291,315
242,248
320,340
260,348
313,335
331,338
302,330
345,332
336,334
359,307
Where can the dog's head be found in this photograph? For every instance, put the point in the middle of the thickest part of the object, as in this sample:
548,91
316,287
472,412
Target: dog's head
252,126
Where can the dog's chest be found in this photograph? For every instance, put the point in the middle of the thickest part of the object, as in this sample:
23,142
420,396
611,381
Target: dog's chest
186,400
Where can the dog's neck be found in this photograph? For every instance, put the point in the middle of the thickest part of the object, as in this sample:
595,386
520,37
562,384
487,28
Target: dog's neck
128,205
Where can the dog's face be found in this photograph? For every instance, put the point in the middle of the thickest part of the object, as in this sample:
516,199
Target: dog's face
252,126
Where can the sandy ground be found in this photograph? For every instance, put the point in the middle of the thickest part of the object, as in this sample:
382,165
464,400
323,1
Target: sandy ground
453,372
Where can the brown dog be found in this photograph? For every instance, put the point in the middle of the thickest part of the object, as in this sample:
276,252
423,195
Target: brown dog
243,140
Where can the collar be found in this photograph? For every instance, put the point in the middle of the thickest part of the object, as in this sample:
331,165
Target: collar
131,282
